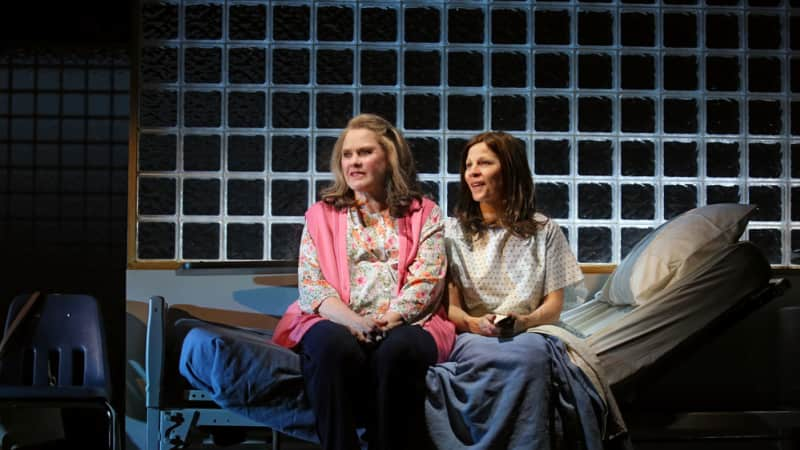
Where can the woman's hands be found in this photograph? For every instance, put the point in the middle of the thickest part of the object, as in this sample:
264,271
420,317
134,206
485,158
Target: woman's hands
366,329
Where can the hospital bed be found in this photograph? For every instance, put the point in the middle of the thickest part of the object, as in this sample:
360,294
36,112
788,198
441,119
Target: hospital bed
204,377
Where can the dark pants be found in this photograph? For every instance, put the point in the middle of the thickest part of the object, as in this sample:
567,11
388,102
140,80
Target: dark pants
380,387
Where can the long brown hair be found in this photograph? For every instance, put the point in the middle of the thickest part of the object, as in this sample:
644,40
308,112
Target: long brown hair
402,185
519,209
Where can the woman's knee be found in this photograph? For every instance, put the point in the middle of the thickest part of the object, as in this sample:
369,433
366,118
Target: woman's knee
331,345
407,345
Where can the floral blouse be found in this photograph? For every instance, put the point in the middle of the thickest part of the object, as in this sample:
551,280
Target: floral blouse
373,254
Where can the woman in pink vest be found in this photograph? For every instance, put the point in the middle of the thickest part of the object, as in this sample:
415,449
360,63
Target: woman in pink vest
369,321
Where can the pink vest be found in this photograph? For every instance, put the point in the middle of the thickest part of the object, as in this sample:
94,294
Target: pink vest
328,228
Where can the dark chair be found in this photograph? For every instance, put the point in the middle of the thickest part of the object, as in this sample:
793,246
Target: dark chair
57,358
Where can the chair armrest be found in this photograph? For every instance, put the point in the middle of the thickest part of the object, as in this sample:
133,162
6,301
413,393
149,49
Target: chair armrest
154,350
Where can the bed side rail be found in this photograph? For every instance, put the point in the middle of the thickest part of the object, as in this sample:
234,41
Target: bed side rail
154,350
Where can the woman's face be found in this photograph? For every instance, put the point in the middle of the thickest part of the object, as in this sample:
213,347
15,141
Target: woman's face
364,162
483,175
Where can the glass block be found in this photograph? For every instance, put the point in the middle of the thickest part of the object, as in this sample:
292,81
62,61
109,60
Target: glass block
594,114
722,73
509,69
335,66
289,153
21,180
722,194
454,148
157,152
595,157
722,159
637,72
202,109
594,244
319,187
680,115
200,241
245,153
384,105
509,112
764,75
334,23
595,28
594,71
594,201
551,157
430,189
765,160
425,25
765,117
680,30
159,65
552,113
465,112
378,24
421,111
629,237
200,197
464,26
202,65
422,68
245,241
156,196
795,160
795,247
551,70
156,240
509,26
795,201
247,22
770,243
426,154
324,150
159,20
291,23
680,73
201,152
637,29
638,202
290,110
285,240
794,114
246,109
722,116
679,198
379,67
764,31
794,32
680,159
638,115
290,66
465,69
722,31
247,65
203,21
552,199
158,108
453,190
334,110
246,197
72,104
552,27
289,197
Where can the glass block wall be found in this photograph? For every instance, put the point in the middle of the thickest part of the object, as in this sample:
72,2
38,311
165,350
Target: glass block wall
64,132
632,112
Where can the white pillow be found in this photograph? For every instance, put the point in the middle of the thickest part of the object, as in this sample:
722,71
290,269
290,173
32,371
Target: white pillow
673,250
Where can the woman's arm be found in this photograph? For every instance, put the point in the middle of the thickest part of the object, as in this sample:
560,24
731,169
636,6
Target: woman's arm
465,323
426,274
549,311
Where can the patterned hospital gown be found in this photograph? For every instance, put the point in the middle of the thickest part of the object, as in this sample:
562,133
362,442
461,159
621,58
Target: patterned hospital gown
502,273
373,252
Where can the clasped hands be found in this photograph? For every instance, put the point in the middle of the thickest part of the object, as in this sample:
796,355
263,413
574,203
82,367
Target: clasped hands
372,329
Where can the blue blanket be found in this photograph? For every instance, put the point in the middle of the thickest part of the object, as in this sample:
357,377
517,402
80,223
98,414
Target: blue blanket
520,393
524,393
